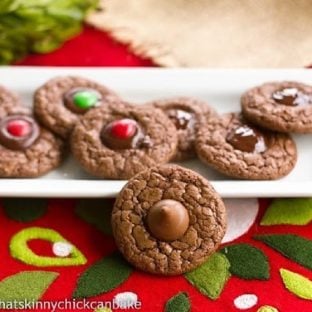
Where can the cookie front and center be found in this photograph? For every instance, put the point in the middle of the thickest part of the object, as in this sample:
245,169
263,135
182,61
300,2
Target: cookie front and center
167,220
168,236
247,139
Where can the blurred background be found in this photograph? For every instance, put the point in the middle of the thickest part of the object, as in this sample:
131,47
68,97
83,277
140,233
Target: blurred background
199,33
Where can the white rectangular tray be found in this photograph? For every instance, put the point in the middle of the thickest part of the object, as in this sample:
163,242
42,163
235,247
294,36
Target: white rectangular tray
221,88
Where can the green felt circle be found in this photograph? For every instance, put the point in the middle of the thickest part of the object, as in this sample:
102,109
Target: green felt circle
20,250
85,99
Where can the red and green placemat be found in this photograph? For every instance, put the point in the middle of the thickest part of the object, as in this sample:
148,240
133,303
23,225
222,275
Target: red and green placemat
62,249
59,249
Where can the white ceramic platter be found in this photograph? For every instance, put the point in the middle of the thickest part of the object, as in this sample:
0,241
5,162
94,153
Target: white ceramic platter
221,88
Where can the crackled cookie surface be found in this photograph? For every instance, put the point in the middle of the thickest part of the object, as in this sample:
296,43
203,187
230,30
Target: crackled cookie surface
27,150
118,141
280,106
9,102
184,112
61,102
168,220
238,149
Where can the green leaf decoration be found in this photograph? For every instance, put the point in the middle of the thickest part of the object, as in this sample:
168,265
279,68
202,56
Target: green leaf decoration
180,302
297,284
27,285
103,276
39,25
210,277
288,211
19,248
96,212
247,262
106,309
294,247
267,308
25,209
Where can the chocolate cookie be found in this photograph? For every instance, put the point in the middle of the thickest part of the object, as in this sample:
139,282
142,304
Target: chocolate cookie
116,142
61,102
26,149
280,106
237,149
184,112
9,102
168,220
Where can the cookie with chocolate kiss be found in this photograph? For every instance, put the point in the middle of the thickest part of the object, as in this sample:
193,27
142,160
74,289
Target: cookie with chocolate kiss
184,113
281,106
62,101
168,220
118,141
238,149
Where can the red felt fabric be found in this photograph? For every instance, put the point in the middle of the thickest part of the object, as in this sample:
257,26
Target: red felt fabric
153,291
91,48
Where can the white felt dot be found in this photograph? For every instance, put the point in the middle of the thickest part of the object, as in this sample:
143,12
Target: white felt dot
126,300
62,249
241,215
245,301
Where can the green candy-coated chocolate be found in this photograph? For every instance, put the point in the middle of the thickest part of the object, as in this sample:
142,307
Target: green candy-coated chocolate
85,99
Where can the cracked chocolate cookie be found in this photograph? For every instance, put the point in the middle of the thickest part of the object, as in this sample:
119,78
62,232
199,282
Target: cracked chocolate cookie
27,150
118,141
9,103
184,112
61,102
238,149
168,220
280,106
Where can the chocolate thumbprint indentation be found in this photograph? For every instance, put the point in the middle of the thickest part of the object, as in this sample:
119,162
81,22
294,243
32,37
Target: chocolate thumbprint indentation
181,118
18,132
291,97
247,139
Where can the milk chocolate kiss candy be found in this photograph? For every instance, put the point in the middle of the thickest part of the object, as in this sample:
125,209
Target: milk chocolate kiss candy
18,132
124,134
167,220
291,97
80,100
247,139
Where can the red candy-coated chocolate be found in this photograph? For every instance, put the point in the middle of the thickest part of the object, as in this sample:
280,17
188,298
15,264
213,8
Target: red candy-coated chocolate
123,128
18,128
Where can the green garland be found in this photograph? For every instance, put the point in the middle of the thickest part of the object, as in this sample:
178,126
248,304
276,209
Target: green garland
38,26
